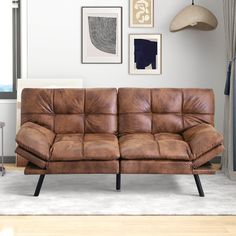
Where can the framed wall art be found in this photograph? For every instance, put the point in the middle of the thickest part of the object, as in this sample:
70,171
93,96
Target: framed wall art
141,13
102,35
145,54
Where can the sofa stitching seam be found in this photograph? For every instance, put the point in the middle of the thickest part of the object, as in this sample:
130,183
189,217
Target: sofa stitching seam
151,101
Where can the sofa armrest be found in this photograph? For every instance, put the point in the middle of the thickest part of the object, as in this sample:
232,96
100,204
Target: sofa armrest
202,138
35,139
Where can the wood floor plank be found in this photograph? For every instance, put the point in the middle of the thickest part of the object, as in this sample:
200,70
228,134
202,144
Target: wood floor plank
120,225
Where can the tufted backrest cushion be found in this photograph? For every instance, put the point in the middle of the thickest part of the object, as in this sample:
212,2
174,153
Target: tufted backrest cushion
71,110
163,110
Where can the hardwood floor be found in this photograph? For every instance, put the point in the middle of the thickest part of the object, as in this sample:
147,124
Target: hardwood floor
117,225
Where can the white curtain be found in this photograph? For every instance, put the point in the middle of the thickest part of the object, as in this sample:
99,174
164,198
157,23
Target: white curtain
229,156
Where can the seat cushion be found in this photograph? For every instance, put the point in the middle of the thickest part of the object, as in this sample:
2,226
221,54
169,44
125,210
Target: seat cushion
162,146
173,147
67,147
138,146
75,147
102,147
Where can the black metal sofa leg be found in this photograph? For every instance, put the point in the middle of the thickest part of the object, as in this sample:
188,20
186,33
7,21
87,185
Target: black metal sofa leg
199,186
118,181
39,185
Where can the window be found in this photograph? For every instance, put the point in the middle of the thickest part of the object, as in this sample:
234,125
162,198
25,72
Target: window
9,48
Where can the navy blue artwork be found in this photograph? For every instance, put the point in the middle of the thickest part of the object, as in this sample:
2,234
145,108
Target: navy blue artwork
145,52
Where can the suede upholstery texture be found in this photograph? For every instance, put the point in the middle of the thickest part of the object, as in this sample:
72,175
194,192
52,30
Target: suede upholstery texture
132,130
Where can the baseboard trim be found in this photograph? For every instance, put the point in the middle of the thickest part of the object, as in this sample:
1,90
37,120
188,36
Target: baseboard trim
9,159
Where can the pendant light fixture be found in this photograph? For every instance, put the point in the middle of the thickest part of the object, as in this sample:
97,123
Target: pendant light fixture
194,16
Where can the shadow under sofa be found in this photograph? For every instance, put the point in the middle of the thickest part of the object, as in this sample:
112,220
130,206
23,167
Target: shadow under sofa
124,131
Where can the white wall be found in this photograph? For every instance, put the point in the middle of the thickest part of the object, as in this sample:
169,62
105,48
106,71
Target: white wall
190,58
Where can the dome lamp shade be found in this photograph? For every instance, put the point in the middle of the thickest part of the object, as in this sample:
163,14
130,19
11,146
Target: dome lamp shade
194,16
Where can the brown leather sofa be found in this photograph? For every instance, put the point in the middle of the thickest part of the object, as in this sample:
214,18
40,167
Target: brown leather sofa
132,131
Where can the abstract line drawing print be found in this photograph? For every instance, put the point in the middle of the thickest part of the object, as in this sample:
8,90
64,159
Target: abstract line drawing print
103,33
142,8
